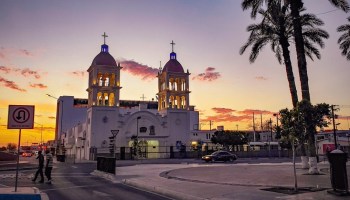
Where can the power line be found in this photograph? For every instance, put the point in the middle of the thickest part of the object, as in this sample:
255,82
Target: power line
328,12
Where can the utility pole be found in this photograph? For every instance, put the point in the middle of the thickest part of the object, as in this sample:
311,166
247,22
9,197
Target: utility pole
334,131
254,127
210,123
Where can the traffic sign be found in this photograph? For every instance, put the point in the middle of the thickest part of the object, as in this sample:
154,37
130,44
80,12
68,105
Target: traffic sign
20,117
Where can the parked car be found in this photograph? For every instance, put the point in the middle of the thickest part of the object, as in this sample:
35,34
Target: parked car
27,154
220,156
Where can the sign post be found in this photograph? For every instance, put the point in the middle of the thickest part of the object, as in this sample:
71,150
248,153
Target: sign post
20,117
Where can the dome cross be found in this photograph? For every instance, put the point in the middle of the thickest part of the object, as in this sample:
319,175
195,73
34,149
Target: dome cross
172,45
104,37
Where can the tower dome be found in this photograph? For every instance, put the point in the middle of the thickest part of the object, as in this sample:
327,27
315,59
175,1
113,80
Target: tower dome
173,65
104,58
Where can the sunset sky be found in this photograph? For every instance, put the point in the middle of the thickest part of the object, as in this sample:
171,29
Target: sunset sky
47,46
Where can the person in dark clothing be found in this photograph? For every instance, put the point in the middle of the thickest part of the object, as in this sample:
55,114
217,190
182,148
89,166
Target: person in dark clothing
40,158
48,166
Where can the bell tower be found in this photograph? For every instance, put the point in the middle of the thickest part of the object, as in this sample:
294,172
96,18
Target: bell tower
173,85
104,79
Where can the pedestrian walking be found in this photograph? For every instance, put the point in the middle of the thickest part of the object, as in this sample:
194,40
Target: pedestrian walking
48,166
40,158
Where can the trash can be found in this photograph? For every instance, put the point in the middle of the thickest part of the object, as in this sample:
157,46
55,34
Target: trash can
339,179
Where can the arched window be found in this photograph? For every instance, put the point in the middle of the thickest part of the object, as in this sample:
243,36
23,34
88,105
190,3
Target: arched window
99,99
171,102
183,102
111,99
112,80
105,98
106,81
100,79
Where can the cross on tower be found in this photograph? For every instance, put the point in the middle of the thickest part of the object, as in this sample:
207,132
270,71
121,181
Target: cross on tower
172,45
104,37
143,97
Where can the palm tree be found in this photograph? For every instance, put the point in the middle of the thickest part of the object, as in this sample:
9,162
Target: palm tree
344,39
295,6
276,28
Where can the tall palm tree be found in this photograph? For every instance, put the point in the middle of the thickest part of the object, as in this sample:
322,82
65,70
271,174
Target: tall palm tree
344,40
295,6
277,29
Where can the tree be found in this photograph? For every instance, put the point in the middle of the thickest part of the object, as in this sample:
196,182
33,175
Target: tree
273,29
296,7
11,146
276,28
344,39
299,124
229,138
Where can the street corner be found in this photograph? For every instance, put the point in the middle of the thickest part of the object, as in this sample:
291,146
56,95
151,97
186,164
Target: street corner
27,193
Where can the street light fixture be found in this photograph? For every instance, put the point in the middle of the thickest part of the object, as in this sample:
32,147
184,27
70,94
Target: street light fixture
137,134
41,136
114,134
137,126
57,138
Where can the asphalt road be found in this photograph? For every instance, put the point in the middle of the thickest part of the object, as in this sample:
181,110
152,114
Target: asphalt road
73,181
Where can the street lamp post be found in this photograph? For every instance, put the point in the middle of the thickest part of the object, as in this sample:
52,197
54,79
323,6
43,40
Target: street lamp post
137,133
41,136
57,138
270,136
114,134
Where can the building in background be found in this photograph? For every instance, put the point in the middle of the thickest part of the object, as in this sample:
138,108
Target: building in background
86,125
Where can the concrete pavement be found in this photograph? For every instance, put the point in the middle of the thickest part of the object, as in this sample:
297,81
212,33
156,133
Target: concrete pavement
193,179
226,181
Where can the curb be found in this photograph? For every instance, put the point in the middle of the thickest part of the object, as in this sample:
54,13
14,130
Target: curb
105,175
9,194
160,190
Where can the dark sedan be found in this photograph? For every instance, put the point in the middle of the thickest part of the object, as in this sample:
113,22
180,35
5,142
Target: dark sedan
220,156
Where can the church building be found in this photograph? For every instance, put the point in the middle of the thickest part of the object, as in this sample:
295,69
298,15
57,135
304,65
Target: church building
87,126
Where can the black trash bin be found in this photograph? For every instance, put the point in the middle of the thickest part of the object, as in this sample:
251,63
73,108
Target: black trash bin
339,178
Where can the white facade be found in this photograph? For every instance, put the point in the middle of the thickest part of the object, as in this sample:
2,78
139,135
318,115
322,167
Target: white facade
172,123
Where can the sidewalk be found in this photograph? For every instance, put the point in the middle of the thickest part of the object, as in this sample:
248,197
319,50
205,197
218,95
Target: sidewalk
27,193
226,181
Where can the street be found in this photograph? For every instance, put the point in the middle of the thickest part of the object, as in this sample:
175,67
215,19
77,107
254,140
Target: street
73,181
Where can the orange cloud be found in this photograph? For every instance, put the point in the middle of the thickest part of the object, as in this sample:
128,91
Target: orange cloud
223,110
26,72
137,69
261,78
343,117
5,53
52,117
38,85
230,115
251,111
208,75
79,73
11,85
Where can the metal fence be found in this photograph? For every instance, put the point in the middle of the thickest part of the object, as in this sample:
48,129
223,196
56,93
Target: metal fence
129,153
